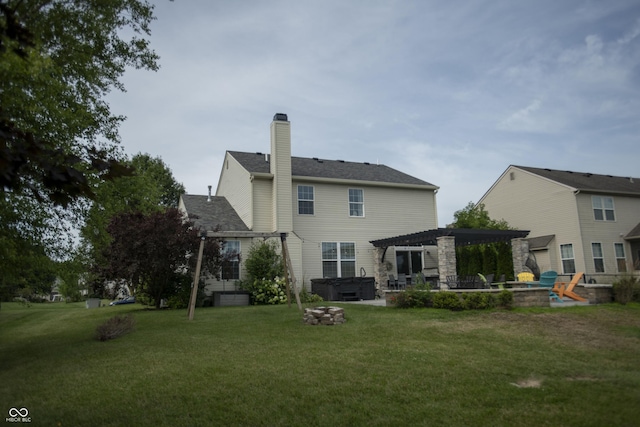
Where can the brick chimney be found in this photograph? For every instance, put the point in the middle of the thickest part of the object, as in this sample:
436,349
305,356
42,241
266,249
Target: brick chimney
280,167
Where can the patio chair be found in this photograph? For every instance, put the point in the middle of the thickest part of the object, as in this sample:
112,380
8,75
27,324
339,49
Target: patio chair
525,276
548,280
487,280
391,283
402,281
566,289
452,282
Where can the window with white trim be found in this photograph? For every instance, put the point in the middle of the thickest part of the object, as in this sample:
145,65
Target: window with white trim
338,259
598,258
621,258
568,260
230,260
305,200
603,208
356,202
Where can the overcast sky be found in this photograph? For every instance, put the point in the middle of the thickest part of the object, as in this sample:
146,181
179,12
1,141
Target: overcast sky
451,92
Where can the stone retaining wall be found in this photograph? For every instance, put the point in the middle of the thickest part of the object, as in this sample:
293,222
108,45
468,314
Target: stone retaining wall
536,297
324,316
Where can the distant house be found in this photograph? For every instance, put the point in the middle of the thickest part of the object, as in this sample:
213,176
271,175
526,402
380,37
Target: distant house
577,221
330,209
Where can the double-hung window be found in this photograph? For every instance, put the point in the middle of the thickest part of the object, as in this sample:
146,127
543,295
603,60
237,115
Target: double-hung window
598,258
231,260
356,202
568,260
603,208
305,200
621,259
338,259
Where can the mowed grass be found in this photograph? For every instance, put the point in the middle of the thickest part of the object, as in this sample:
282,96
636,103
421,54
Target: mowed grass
260,366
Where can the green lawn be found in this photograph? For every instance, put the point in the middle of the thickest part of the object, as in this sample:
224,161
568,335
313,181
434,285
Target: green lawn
260,366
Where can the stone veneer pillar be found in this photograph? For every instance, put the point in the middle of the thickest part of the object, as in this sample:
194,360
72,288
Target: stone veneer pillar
380,272
446,258
519,253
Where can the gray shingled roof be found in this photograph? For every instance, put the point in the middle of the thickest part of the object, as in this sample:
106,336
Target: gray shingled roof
585,181
337,169
634,234
216,215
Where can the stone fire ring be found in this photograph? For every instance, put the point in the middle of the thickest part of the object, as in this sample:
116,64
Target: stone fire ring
324,316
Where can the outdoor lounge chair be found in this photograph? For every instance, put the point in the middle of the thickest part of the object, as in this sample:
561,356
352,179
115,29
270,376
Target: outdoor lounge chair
548,280
525,277
566,289
392,284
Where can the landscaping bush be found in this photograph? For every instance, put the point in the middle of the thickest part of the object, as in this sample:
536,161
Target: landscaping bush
115,327
449,300
626,289
269,291
307,297
412,298
505,299
478,301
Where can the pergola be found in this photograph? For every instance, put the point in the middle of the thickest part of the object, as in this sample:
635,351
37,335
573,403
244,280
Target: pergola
446,239
462,236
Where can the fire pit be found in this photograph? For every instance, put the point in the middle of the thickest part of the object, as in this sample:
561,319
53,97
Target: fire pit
324,316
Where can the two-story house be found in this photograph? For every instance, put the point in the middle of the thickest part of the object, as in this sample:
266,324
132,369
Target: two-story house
577,221
330,210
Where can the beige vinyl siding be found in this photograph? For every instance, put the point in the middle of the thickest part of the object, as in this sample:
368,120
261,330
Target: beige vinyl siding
387,214
235,186
262,211
627,216
530,202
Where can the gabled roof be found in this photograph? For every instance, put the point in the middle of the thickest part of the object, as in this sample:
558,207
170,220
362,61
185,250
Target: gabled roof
634,234
589,182
463,237
216,215
331,169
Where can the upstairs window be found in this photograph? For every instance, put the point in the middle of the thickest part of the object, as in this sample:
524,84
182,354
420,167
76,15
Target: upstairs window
603,208
598,259
305,200
231,260
356,202
568,260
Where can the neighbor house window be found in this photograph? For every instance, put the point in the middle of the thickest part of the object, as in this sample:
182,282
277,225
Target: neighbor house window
598,259
621,259
305,199
603,208
231,260
568,261
356,202
338,259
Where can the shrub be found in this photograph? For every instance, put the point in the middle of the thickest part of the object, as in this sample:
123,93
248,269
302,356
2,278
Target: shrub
269,291
624,289
478,301
115,327
307,297
505,299
412,298
449,300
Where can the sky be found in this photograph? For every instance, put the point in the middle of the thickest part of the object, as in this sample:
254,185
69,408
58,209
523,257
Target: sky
451,92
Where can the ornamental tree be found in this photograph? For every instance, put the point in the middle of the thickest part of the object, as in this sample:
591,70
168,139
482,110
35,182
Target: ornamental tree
154,252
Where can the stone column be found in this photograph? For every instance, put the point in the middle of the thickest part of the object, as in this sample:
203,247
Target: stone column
380,272
519,253
446,258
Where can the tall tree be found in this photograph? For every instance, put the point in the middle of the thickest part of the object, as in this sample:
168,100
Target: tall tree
151,188
153,252
58,137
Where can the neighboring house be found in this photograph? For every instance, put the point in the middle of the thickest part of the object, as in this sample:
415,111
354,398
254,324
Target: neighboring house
577,221
330,210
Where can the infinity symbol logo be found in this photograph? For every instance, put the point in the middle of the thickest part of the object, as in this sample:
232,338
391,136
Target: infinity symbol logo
15,412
